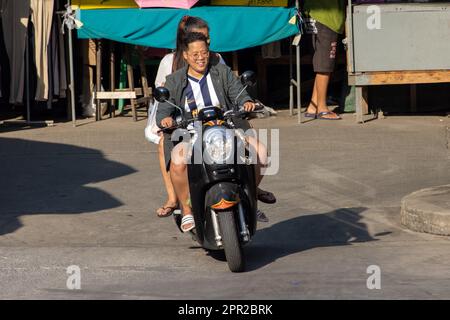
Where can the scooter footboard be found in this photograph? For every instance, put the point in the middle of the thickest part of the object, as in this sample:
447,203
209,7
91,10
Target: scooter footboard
222,196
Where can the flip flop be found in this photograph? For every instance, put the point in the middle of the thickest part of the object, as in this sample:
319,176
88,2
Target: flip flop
321,115
266,196
167,211
310,115
187,219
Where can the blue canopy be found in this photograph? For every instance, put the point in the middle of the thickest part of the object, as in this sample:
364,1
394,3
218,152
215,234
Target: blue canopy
232,28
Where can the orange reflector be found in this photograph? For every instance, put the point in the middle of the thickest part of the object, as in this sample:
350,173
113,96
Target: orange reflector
224,204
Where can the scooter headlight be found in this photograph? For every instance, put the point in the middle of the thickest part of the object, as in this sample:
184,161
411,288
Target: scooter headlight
218,145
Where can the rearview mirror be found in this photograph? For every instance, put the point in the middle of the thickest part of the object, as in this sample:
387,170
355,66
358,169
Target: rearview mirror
161,94
248,78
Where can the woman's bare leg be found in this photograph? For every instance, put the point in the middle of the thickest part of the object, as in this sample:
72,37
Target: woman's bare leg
171,195
261,152
179,176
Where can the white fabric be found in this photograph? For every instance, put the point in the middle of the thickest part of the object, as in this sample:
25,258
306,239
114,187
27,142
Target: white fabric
165,68
151,130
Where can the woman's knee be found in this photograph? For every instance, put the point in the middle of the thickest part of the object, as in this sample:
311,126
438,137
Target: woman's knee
179,154
262,154
177,169
260,149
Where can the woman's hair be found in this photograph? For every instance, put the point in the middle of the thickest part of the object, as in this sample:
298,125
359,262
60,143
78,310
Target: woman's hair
186,25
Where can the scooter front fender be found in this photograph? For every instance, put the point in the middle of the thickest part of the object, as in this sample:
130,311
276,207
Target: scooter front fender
222,196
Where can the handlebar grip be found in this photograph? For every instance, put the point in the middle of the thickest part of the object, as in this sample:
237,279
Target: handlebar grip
167,129
176,126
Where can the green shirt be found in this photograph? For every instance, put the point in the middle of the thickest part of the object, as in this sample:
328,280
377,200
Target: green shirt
328,12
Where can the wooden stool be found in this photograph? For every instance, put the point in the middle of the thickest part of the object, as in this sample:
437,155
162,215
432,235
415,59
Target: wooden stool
132,93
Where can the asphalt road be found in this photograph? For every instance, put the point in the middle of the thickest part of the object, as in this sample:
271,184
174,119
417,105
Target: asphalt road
86,197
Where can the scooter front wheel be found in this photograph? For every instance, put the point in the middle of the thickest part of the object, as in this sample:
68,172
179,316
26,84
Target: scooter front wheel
230,239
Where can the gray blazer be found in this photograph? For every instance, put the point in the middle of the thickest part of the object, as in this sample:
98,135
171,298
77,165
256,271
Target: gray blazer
226,85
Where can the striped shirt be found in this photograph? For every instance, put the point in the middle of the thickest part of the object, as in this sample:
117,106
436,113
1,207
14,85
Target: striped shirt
200,93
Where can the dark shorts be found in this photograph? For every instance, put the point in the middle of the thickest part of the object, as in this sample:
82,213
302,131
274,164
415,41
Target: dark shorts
325,45
169,144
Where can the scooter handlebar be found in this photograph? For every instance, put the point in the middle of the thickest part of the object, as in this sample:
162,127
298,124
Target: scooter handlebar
241,113
181,124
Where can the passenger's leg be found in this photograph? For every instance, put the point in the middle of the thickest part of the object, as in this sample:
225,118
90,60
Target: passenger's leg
262,162
179,176
261,153
172,200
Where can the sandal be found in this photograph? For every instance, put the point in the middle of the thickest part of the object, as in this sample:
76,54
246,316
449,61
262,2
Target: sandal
164,212
186,220
321,115
261,217
310,115
266,196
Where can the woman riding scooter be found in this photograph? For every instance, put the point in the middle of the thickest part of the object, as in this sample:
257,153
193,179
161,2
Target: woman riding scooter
199,84
171,63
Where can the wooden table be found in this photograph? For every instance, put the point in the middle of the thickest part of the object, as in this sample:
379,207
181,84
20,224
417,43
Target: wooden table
361,81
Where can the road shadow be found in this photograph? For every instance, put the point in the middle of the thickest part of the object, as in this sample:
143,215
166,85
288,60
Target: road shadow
12,125
336,228
52,178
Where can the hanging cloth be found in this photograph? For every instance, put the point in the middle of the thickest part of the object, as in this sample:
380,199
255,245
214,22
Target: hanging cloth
53,62
15,23
62,62
2,8
42,16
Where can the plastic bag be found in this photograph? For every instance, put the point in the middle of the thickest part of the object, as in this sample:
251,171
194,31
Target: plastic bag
151,130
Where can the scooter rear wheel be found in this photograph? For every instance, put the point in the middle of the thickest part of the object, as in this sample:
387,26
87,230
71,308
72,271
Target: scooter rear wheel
230,239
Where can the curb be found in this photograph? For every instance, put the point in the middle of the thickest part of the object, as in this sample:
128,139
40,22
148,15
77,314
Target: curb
427,210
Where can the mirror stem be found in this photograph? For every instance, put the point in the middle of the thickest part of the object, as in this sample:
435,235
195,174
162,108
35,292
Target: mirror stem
174,105
236,100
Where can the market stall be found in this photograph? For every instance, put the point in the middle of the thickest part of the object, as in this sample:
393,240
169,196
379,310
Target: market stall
246,26
131,22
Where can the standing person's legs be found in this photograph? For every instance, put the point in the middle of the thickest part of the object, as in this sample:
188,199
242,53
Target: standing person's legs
320,88
172,202
324,43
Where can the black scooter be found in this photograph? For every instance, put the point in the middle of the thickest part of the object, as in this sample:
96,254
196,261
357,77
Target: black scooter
222,184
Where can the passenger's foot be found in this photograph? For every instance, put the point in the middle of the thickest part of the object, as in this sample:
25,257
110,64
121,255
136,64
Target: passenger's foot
261,217
187,222
167,209
265,196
